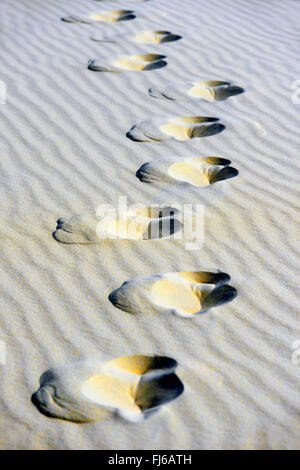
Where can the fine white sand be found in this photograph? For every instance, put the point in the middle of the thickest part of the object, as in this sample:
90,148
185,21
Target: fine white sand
66,150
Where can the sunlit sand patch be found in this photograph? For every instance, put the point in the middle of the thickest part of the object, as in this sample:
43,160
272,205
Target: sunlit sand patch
133,387
186,294
212,90
197,171
168,293
141,62
108,389
137,365
144,37
144,223
200,174
107,17
179,128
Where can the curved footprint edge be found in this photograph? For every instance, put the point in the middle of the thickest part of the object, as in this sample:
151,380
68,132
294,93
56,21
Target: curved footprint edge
185,294
133,388
196,171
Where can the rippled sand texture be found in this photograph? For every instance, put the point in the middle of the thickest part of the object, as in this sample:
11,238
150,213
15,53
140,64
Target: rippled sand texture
64,152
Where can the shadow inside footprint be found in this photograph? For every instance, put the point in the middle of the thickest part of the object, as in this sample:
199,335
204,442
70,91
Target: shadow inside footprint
224,174
186,294
219,296
133,387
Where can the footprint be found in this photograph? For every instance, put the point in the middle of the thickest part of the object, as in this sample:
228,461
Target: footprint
132,387
209,91
143,223
130,63
200,172
107,17
179,128
144,37
186,294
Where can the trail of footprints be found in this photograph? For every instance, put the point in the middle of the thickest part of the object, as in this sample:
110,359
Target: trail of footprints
136,387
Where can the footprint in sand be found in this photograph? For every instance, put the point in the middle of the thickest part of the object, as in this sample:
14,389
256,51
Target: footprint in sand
185,294
209,91
180,128
144,37
197,171
132,387
141,223
106,17
133,63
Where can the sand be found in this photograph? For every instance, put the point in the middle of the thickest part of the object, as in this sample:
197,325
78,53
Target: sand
64,152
